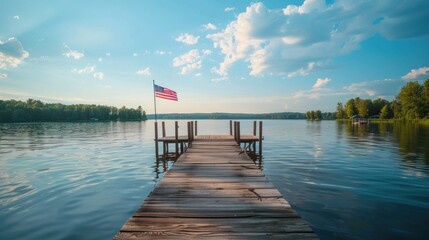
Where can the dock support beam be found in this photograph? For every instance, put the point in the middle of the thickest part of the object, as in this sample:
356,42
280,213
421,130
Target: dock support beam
156,140
260,139
196,128
230,127
176,138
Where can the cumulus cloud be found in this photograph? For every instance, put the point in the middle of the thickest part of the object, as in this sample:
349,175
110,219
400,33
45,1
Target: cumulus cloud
285,41
417,74
88,69
72,53
387,88
229,9
209,26
320,82
12,53
98,75
3,75
144,72
188,62
187,39
135,54
16,17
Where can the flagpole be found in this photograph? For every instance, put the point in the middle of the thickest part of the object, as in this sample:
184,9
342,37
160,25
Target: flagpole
154,100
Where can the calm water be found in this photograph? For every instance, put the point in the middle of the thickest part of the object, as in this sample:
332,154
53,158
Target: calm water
83,180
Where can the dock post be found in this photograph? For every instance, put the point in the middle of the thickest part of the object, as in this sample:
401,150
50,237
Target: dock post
238,133
189,134
156,141
163,129
191,125
164,144
230,127
235,131
196,128
176,138
254,128
260,139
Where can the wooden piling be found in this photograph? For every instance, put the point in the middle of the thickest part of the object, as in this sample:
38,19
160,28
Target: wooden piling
260,139
196,128
176,138
254,128
230,127
156,140
163,129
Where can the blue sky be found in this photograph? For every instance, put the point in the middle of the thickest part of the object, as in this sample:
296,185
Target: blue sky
220,56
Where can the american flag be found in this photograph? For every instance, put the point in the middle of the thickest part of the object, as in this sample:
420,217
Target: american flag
165,93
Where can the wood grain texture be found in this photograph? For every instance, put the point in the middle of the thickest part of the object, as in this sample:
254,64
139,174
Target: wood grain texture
215,191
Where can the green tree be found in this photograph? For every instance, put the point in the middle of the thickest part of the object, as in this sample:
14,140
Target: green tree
318,115
411,100
341,113
426,97
350,108
386,112
363,107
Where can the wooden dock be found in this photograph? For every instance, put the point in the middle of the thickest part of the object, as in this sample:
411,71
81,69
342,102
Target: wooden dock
214,190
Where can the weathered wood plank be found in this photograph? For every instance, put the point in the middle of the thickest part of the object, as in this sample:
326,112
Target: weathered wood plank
211,185
215,190
214,235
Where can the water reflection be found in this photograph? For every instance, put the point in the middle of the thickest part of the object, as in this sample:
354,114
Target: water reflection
411,138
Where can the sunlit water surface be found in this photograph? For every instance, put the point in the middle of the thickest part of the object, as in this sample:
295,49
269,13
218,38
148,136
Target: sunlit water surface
84,180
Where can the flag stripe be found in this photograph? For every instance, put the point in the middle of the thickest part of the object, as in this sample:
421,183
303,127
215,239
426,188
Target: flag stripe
165,93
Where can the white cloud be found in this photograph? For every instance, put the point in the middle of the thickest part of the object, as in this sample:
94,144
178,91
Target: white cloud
12,53
16,17
108,54
188,62
286,41
209,26
387,88
229,9
3,75
98,75
206,52
144,72
321,82
198,74
73,53
303,71
160,52
135,54
88,69
220,79
187,39
420,73
100,59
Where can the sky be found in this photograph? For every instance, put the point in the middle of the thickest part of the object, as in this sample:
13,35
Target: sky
218,55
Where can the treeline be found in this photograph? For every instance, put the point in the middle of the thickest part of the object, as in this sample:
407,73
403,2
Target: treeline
317,115
37,111
281,115
412,102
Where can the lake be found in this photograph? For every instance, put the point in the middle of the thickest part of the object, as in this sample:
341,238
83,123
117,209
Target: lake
84,180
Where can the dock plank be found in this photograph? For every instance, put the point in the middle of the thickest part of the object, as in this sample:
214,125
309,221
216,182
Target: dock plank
214,190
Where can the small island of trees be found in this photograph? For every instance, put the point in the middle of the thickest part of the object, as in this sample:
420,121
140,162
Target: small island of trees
37,111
